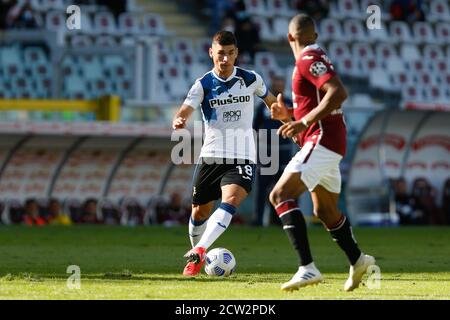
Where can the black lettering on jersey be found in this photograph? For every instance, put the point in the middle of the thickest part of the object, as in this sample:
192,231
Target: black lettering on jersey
231,116
214,103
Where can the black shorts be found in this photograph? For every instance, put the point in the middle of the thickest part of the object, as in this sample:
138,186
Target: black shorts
210,175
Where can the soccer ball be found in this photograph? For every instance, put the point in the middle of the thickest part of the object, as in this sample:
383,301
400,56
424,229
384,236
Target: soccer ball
220,262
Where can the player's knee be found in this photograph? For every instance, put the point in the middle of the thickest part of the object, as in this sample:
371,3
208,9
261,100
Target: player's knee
276,197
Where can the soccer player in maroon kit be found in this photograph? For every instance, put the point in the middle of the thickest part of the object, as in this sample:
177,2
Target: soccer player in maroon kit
319,130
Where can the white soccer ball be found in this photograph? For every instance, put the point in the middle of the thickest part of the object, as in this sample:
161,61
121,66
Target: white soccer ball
220,262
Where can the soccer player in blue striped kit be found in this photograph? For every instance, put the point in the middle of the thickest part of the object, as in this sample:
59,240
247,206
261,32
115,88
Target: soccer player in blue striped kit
226,166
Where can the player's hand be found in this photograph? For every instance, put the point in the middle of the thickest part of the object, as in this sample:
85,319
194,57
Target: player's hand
278,110
291,129
179,123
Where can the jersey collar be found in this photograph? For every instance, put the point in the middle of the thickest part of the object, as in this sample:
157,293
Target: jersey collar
313,46
224,80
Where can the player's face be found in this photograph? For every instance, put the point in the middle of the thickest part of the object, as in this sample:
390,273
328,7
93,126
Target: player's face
223,57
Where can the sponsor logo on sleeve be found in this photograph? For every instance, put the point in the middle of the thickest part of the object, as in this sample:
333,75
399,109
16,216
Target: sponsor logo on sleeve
318,69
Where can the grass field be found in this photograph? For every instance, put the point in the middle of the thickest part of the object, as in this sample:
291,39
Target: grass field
146,263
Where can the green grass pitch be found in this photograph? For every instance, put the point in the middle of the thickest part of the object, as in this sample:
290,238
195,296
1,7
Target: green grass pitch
146,263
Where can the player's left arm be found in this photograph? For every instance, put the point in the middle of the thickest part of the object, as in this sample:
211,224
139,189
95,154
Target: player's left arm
335,95
269,99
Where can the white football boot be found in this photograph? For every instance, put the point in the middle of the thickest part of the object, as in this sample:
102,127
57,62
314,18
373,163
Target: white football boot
357,271
305,276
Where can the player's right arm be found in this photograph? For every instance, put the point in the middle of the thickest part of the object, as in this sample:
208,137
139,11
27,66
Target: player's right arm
279,111
181,117
192,101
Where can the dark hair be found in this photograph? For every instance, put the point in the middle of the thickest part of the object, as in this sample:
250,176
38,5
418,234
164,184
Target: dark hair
224,38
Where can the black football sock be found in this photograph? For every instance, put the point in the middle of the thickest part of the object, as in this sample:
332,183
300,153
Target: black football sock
295,226
343,236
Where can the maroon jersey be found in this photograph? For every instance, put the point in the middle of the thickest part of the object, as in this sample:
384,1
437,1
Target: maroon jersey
312,69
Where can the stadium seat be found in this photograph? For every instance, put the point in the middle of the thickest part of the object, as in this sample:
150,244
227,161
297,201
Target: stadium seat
416,65
400,31
440,65
379,79
404,78
412,93
53,4
195,71
393,64
81,41
349,9
279,8
439,11
265,30
104,23
369,65
178,86
280,25
423,32
266,60
435,94
55,21
183,45
409,52
105,41
91,67
34,55
362,51
330,29
338,50
74,87
348,66
426,78
432,52
354,30
385,51
153,24
256,7
443,32
362,100
129,23
379,35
